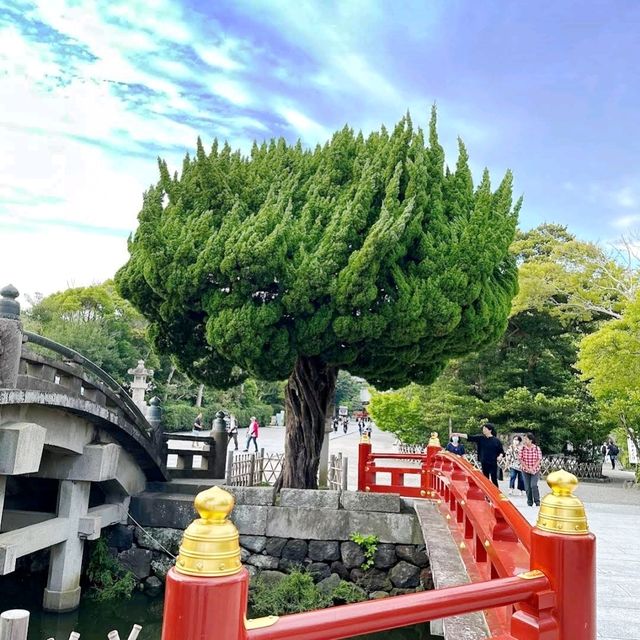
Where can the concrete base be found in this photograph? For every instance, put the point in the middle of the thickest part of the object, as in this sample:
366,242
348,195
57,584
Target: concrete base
61,601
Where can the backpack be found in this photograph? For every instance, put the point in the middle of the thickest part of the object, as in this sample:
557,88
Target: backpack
613,450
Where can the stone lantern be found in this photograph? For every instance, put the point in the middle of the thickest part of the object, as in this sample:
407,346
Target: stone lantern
139,386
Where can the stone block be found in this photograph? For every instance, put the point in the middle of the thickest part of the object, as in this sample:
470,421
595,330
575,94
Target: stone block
295,550
251,520
324,550
275,546
97,463
378,595
255,544
371,580
413,554
338,568
385,556
327,585
272,578
310,498
61,601
319,571
163,510
119,536
161,566
359,501
308,524
152,586
263,562
21,445
259,496
138,561
397,528
352,554
405,575
160,539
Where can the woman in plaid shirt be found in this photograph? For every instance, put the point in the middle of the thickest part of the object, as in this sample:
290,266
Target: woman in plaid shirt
530,459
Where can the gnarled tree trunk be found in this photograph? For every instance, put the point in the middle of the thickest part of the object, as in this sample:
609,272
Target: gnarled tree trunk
308,396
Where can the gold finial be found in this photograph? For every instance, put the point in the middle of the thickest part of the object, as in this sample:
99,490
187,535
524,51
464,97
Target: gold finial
364,438
434,440
561,511
210,546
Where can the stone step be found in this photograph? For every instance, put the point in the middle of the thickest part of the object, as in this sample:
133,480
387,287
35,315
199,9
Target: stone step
183,486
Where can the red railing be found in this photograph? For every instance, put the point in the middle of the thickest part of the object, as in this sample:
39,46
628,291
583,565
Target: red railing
533,583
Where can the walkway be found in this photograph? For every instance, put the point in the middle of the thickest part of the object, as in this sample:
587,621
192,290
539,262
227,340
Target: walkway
613,513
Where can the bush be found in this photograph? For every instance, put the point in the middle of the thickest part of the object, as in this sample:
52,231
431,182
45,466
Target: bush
295,593
369,546
179,417
347,592
108,578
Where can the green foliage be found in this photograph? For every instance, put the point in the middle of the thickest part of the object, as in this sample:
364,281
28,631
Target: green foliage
98,323
347,593
368,254
369,546
108,578
295,593
610,363
348,391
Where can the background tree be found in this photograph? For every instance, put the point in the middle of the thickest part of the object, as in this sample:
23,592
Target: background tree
610,363
96,322
365,254
348,391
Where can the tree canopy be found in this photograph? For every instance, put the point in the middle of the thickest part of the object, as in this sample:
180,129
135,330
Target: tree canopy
368,254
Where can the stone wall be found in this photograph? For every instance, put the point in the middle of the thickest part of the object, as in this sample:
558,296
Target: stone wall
297,529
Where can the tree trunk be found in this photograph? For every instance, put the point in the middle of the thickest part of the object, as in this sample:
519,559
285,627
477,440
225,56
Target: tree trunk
307,397
199,397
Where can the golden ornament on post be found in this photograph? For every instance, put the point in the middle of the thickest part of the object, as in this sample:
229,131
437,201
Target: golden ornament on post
561,511
364,438
434,440
211,546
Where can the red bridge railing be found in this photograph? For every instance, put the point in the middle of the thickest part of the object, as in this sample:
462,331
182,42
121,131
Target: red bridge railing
534,583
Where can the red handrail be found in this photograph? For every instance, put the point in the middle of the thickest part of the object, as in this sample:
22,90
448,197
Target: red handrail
390,613
510,512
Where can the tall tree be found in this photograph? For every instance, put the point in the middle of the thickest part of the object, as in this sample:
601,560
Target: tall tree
610,362
365,254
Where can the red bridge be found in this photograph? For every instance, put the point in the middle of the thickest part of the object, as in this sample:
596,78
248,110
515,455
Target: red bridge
533,583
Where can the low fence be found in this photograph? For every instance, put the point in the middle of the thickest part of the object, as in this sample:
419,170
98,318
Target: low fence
188,450
550,463
338,472
251,469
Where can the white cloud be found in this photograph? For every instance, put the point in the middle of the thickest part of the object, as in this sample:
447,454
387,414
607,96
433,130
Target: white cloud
626,197
49,259
309,130
234,92
624,222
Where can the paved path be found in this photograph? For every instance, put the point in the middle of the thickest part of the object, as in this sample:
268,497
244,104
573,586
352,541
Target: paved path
613,513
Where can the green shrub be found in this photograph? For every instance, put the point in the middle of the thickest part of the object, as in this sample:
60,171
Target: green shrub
347,592
369,546
293,594
108,578
179,417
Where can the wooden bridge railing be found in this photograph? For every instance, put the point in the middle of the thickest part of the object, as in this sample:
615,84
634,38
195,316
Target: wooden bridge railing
534,583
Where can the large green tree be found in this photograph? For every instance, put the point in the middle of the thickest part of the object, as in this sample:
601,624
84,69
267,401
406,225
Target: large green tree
366,253
610,363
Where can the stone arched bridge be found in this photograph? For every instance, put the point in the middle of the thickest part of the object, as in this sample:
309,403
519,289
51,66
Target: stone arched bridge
73,449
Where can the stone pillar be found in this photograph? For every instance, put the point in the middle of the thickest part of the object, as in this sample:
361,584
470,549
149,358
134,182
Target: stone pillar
10,337
323,467
65,565
140,385
220,441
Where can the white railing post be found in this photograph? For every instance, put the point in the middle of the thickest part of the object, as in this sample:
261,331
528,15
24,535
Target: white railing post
14,624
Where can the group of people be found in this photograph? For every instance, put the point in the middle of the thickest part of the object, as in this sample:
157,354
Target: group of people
341,420
232,429
522,459
609,449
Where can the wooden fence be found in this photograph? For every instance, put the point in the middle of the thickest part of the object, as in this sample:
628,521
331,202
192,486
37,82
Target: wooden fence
550,463
338,472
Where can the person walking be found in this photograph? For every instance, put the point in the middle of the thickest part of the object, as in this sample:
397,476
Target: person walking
612,452
196,430
455,446
490,450
512,456
232,431
252,433
530,458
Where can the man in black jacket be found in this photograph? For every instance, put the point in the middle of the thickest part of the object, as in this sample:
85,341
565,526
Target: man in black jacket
489,450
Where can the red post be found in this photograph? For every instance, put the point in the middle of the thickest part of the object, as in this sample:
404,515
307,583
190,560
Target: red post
564,550
364,450
197,608
428,484
206,592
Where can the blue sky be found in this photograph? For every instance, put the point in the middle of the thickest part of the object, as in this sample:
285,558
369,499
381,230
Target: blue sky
91,92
